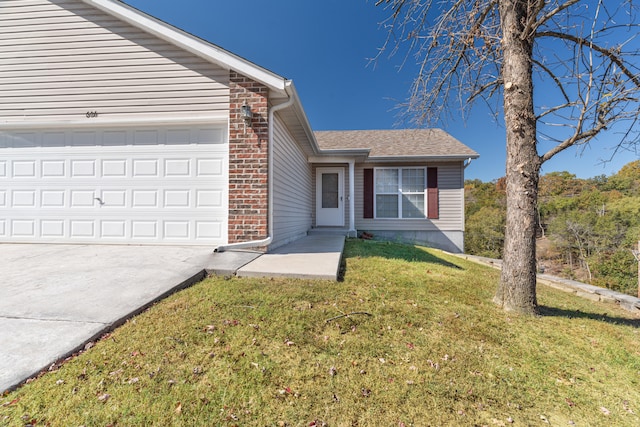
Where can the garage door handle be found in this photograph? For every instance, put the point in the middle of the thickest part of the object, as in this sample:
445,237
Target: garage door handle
99,200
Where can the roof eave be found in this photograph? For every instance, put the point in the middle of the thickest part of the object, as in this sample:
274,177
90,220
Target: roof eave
443,158
191,43
292,92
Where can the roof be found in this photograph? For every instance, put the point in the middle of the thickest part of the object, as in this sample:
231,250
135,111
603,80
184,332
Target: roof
397,144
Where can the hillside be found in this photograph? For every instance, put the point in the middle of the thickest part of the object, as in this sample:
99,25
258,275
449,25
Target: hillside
587,227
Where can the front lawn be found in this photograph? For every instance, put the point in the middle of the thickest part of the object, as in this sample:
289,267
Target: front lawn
410,337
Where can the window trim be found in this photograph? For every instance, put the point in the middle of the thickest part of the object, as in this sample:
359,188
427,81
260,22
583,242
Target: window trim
400,193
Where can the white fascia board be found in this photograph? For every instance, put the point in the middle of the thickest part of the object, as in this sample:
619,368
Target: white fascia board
191,43
334,159
302,115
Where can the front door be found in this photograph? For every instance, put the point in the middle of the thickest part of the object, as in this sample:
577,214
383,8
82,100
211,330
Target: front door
330,197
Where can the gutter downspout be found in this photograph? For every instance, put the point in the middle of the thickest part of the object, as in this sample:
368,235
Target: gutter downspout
267,241
467,163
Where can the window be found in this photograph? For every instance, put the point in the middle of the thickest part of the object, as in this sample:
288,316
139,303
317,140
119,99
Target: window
400,192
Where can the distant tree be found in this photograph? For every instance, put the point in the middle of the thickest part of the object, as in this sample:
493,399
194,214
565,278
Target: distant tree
484,218
627,180
484,232
583,50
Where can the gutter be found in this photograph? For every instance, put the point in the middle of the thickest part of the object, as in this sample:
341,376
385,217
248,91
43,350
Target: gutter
267,241
442,158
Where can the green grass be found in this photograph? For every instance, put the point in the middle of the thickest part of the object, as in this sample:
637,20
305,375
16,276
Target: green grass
434,351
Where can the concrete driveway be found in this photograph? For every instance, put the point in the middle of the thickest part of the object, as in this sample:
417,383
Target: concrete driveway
55,298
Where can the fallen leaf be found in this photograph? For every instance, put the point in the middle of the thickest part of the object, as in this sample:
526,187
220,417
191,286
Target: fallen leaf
570,402
231,322
13,402
179,408
605,410
104,397
333,371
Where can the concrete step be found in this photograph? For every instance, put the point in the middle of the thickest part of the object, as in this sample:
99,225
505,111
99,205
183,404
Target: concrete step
328,231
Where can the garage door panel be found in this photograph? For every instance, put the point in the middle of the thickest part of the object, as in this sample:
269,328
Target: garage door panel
114,168
52,168
52,228
143,192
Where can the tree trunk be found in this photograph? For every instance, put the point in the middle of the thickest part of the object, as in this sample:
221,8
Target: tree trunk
517,288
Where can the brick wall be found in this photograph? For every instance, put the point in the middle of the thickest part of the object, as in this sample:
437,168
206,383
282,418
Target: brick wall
248,161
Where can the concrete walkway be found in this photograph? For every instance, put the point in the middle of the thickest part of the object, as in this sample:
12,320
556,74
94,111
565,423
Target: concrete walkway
583,290
312,257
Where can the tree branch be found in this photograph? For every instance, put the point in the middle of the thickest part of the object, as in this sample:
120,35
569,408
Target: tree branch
575,139
609,53
533,28
554,77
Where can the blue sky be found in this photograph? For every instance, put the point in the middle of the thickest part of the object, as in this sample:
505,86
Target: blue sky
325,48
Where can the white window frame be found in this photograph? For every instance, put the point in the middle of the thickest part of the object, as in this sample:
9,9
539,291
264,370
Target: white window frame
400,192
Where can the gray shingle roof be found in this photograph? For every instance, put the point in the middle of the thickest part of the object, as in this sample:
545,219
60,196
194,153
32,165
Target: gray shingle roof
396,143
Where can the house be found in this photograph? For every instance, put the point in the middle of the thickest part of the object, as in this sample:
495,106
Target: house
117,128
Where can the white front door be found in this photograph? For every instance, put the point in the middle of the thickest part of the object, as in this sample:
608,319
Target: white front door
330,197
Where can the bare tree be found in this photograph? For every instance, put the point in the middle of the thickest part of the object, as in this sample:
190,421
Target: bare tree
581,56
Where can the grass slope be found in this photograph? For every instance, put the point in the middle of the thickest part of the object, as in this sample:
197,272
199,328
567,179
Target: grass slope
433,351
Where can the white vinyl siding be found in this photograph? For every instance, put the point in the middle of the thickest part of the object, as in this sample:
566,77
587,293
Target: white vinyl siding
451,201
61,59
292,186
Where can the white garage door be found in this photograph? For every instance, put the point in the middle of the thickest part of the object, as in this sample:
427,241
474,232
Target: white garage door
139,185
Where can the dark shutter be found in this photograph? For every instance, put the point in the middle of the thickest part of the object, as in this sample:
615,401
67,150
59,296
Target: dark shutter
368,193
432,193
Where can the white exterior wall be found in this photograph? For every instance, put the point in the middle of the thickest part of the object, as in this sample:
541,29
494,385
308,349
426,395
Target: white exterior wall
293,193
61,59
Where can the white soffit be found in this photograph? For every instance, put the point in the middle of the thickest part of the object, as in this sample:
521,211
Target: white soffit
189,42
